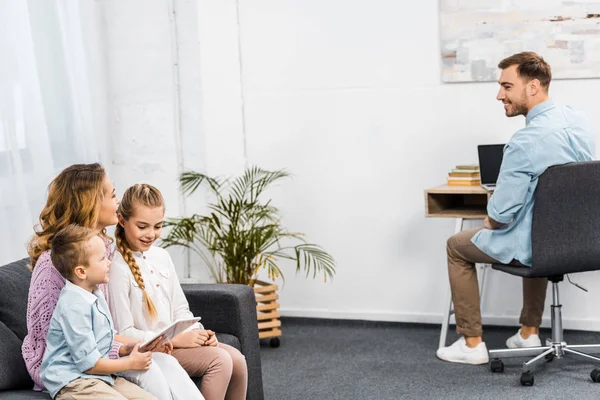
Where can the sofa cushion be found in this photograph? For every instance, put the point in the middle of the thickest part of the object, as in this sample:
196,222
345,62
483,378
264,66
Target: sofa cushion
24,395
13,373
15,278
229,339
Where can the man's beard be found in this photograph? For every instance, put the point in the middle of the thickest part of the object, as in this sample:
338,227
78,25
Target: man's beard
518,108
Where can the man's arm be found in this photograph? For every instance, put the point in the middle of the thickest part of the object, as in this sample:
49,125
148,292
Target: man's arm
511,188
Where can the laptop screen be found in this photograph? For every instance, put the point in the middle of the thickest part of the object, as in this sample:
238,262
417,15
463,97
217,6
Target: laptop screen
490,159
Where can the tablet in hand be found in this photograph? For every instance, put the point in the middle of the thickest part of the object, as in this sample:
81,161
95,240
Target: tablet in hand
171,331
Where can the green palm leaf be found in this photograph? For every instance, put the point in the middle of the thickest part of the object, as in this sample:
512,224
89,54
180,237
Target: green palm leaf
190,181
242,234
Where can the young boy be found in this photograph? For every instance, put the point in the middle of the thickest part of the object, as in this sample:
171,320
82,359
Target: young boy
76,363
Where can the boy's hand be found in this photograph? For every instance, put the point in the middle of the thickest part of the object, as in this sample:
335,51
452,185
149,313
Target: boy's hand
140,361
212,339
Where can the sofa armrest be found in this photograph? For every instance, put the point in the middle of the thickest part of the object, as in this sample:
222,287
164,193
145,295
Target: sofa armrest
225,308
229,308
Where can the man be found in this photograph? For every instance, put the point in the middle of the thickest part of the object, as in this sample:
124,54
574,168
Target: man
553,135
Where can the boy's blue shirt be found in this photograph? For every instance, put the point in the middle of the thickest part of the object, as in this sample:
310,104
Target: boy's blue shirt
81,332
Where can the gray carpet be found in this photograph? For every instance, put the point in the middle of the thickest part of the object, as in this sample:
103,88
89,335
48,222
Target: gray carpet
325,359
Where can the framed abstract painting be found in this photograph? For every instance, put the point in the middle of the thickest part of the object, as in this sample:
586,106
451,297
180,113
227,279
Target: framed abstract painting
477,34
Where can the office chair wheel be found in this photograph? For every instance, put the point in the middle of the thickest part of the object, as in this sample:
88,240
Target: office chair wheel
274,343
595,375
496,365
549,357
526,379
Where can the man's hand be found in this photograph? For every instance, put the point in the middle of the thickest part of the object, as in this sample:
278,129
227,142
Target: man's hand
212,339
140,361
489,223
486,223
189,339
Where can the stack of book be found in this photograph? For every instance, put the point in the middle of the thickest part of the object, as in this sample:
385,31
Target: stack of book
464,175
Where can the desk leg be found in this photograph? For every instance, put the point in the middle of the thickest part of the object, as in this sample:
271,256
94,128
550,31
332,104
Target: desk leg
448,309
482,274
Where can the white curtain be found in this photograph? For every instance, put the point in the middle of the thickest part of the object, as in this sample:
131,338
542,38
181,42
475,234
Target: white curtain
52,106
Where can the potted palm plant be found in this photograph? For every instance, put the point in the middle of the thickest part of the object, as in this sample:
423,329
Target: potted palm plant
241,234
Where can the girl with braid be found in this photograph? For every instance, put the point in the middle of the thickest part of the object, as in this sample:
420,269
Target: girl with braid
145,296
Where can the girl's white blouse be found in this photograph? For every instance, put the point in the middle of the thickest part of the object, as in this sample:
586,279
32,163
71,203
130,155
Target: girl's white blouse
126,300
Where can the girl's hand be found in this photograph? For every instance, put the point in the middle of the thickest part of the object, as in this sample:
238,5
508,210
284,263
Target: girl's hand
212,339
167,347
126,349
156,345
189,339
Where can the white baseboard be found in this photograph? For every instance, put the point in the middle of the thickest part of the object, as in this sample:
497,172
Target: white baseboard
429,318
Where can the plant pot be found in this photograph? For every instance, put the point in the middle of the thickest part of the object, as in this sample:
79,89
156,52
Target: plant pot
266,312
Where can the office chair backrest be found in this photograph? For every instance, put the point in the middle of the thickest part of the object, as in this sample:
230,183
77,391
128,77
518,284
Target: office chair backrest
566,220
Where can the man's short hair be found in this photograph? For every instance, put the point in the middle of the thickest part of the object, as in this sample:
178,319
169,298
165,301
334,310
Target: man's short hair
529,66
70,248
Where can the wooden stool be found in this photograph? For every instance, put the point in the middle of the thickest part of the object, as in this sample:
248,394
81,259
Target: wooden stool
266,312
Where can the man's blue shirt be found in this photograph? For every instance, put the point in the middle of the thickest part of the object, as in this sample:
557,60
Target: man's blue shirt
553,135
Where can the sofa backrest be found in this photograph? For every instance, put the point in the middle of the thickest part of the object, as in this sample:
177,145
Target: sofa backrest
14,288
13,373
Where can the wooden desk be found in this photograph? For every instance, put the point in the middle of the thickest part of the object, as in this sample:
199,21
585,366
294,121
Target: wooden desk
460,202
466,202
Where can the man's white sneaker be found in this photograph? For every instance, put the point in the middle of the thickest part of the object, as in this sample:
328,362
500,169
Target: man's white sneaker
516,341
459,352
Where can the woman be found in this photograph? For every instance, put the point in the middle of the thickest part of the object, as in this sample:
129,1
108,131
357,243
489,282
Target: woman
82,194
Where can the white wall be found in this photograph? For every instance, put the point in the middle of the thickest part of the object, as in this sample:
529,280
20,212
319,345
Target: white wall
346,95
161,106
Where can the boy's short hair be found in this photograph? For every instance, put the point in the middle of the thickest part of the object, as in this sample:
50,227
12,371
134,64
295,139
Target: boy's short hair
70,248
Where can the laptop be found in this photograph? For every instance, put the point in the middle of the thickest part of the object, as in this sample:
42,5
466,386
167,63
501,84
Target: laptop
490,160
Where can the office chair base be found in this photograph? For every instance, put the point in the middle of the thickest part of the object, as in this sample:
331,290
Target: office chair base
542,355
555,348
595,375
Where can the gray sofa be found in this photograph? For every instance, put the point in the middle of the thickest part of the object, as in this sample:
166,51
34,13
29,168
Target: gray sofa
229,310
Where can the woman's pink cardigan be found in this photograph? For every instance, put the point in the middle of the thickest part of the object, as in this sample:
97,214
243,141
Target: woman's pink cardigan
44,289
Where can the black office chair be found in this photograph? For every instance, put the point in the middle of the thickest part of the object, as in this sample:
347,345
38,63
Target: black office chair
565,239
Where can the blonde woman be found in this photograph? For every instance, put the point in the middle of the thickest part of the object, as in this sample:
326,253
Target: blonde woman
83,195
145,296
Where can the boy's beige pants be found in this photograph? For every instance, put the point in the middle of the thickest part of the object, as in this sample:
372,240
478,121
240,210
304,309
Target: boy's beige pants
97,389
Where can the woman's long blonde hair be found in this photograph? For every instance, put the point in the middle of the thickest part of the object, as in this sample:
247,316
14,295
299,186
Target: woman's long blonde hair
74,197
145,195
